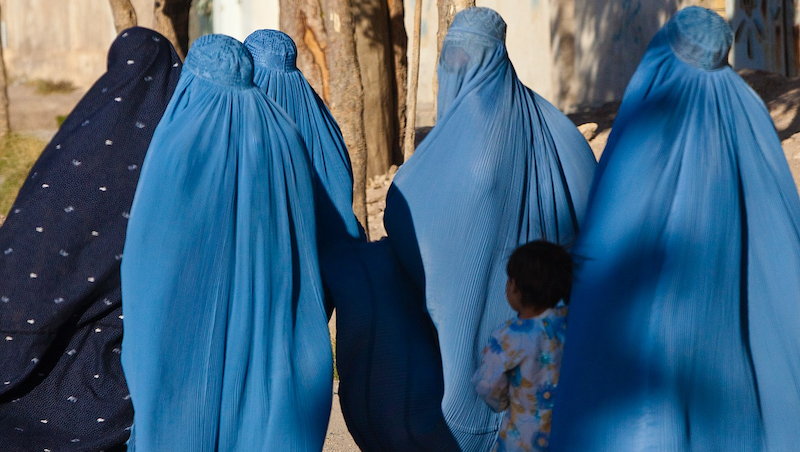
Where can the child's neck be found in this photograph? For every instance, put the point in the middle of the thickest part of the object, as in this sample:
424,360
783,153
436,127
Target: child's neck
529,313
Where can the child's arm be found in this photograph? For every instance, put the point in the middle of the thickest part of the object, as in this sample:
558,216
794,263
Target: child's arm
491,378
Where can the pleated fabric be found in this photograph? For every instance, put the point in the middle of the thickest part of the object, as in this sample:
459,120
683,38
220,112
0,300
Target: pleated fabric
390,370
226,343
275,57
683,321
61,381
502,167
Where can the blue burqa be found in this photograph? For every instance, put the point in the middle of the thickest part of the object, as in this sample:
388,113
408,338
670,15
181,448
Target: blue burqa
226,343
683,321
275,57
61,381
502,167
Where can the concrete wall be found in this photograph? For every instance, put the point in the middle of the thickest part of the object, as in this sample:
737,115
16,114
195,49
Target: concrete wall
572,52
610,39
765,35
239,18
62,40
528,42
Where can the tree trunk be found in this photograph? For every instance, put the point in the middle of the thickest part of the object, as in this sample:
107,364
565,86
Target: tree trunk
411,120
5,126
347,95
447,10
302,20
562,47
171,19
124,14
400,43
375,54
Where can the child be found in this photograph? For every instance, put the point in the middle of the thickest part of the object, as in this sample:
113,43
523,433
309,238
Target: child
520,366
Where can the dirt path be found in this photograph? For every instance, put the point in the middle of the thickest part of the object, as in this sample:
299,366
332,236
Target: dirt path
338,438
35,114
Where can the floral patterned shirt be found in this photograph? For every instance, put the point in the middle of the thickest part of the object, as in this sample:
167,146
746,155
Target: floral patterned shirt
518,373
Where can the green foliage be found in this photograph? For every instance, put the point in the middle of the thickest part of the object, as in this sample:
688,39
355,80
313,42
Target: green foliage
335,370
17,155
53,86
60,120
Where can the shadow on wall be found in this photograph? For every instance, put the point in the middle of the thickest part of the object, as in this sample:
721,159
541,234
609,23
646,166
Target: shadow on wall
610,39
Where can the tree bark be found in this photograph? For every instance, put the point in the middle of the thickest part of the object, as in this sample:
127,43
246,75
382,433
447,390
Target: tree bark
124,14
447,10
302,20
400,44
5,126
375,54
171,19
411,120
562,47
347,95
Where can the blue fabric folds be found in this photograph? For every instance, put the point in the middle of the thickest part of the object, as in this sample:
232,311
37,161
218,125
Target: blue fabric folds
390,371
683,321
275,57
502,167
61,381
226,343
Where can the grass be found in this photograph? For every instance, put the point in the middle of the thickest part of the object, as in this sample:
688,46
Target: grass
17,155
335,370
44,86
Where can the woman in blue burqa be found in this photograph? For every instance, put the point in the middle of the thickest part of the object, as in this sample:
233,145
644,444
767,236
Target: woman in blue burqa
501,168
226,342
275,57
388,364
61,381
683,320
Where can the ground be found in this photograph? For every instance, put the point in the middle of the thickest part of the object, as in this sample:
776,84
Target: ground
33,114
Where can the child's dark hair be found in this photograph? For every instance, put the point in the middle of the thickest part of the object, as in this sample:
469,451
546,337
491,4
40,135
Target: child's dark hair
542,271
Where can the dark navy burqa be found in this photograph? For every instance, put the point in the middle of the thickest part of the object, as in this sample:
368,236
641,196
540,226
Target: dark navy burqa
226,340
390,371
61,382
501,168
683,327
275,58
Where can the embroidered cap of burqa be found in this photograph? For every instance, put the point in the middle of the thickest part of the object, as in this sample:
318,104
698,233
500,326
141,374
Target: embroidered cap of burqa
61,380
226,342
502,167
275,57
683,321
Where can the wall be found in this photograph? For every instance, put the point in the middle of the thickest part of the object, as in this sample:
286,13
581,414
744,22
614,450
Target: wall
610,39
65,39
528,42
765,35
239,18
53,40
572,52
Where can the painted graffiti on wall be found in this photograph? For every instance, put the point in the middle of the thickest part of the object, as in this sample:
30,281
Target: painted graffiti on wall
764,35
